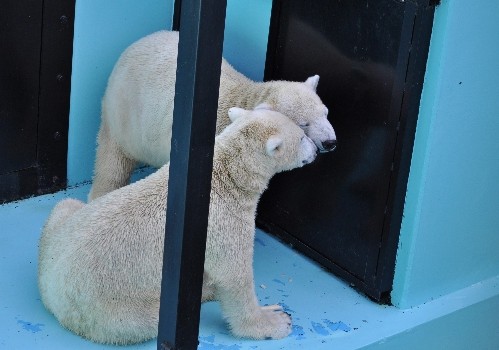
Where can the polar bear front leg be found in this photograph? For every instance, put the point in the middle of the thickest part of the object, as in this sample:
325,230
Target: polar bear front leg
245,317
112,167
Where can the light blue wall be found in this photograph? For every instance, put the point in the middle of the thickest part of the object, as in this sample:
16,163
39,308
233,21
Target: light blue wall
103,29
246,33
450,232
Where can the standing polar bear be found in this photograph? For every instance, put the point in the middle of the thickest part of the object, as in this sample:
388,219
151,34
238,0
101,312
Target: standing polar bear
100,263
137,109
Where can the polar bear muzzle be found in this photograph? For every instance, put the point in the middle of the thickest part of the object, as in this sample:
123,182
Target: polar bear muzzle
328,146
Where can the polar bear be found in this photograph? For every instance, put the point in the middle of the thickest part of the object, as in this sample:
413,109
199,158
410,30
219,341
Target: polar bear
100,263
137,109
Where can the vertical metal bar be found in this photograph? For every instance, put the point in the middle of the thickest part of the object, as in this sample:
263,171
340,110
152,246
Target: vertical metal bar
177,8
194,124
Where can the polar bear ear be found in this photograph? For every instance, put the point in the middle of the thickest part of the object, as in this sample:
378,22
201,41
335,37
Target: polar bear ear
235,113
273,144
312,82
265,106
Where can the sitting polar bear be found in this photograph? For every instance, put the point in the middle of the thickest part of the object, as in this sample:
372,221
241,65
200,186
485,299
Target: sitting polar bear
137,109
100,263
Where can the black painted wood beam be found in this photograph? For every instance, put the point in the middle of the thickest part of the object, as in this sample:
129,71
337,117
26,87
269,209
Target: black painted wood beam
202,25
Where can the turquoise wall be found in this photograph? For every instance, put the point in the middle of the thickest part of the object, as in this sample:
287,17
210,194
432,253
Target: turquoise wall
103,29
246,33
450,232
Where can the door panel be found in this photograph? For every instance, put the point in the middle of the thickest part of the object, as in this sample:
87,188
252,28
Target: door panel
336,209
20,45
36,42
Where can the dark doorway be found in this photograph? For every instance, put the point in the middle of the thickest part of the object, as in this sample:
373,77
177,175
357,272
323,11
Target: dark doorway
345,210
36,43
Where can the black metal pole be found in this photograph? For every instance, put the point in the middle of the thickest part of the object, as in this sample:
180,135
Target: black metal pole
202,25
177,6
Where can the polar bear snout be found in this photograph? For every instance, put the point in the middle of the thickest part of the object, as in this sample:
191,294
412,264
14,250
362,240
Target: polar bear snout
328,145
323,134
309,150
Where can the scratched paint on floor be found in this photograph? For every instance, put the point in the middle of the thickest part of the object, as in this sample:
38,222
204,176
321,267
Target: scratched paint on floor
31,327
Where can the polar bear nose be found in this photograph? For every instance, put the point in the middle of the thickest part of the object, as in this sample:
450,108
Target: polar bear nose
329,145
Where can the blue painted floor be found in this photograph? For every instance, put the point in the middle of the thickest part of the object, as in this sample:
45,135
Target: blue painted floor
326,312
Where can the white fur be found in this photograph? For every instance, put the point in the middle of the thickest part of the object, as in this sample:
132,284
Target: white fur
312,82
137,108
100,263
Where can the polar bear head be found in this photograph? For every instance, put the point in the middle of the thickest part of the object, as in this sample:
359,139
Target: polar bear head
269,141
300,102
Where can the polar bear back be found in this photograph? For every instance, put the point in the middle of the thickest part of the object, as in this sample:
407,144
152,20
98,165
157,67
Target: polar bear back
137,107
138,104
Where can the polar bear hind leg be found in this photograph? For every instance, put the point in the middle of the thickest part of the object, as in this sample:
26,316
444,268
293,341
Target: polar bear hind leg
132,323
112,167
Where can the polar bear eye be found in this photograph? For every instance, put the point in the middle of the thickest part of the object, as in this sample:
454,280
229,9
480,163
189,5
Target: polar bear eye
304,125
273,145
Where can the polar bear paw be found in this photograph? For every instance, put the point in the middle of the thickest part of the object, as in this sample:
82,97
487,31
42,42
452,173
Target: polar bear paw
269,322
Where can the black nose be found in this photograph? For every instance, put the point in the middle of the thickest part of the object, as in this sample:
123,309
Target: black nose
329,145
